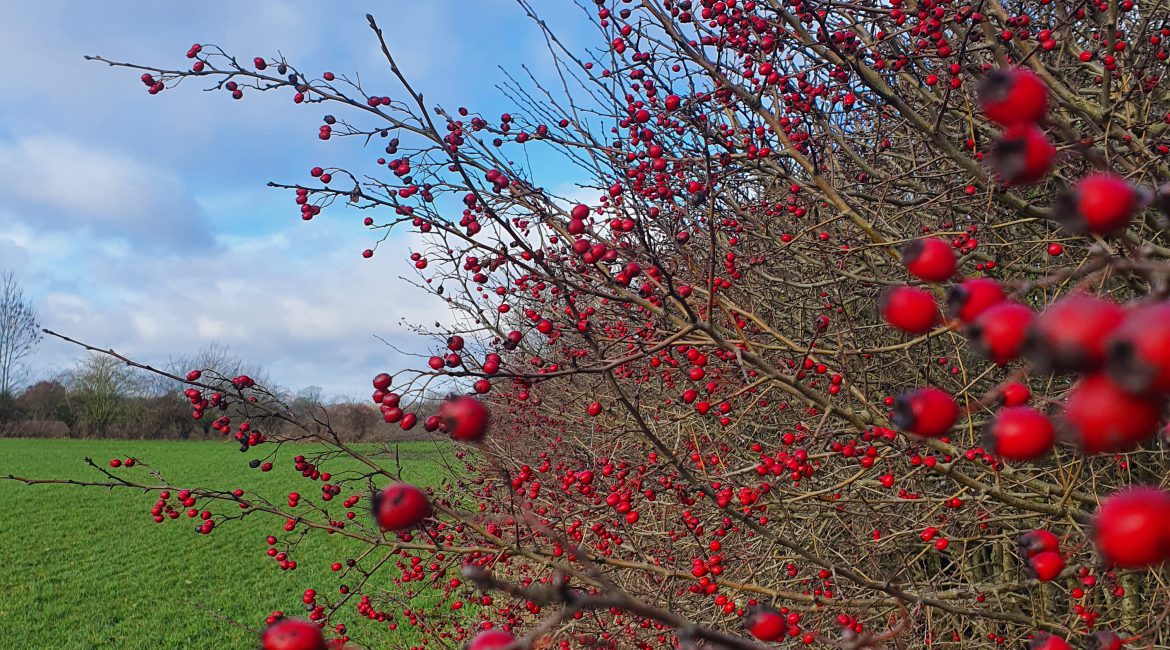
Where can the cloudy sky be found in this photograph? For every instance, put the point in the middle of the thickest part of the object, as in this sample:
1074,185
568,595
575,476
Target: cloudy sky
143,222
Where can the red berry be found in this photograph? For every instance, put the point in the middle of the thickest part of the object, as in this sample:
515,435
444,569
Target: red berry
1101,204
1104,640
1138,352
1019,433
909,309
1038,541
1101,417
400,506
1070,334
928,412
1132,528
492,639
1000,331
766,624
382,381
464,418
1048,642
1022,155
931,259
1013,96
292,634
973,297
1015,394
1046,566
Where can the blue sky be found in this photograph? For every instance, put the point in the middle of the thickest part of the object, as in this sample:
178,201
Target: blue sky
143,222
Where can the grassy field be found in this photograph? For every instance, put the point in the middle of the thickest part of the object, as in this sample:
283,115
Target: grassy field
88,567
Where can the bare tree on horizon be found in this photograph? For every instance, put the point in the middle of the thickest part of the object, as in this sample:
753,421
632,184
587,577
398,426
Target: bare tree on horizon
19,332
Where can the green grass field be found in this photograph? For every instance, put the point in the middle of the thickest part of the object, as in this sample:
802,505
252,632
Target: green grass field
89,568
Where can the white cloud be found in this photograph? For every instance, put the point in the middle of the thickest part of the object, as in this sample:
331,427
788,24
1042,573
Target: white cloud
53,183
308,313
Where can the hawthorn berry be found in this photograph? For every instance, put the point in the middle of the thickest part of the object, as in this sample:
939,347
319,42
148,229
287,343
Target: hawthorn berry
464,418
974,296
1038,541
382,381
1048,642
1100,204
493,639
1070,334
1104,640
909,309
999,333
1013,96
1045,566
928,412
1138,351
766,624
930,259
400,506
1101,417
292,634
1131,530
1022,155
1015,394
1019,433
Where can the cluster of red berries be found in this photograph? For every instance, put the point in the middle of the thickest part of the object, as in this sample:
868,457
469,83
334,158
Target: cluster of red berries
200,403
163,509
1017,100
400,506
463,418
1122,353
1041,549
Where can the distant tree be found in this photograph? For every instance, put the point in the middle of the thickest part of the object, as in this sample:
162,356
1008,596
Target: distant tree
9,408
19,333
104,388
45,400
314,394
307,400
